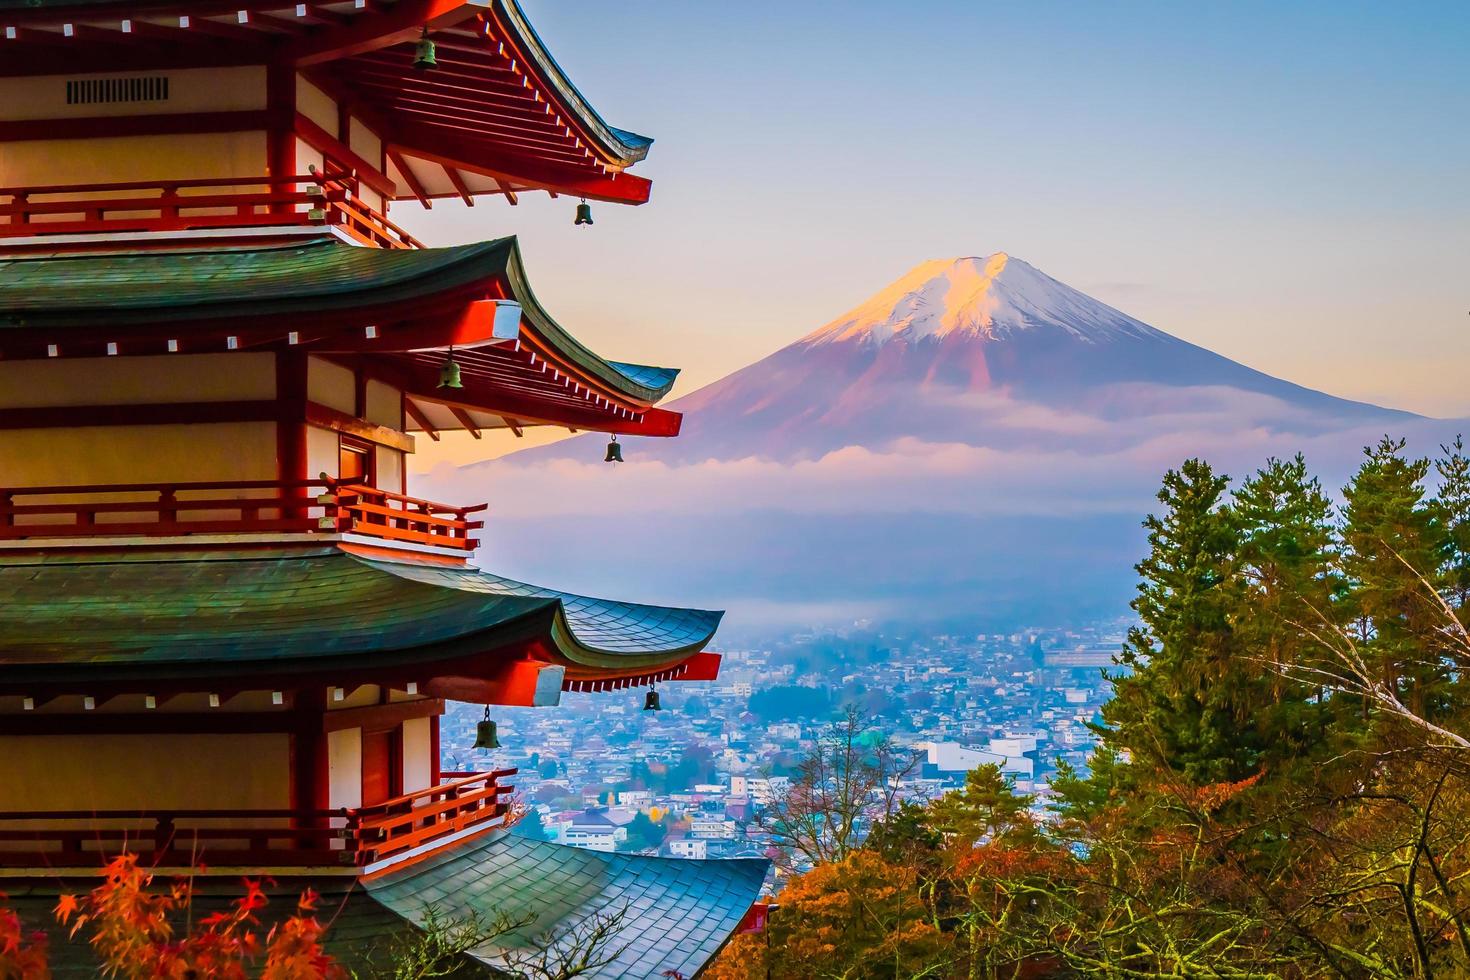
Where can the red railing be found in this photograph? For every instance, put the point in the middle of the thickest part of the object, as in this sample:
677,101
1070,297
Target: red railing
355,836
239,507
185,205
395,517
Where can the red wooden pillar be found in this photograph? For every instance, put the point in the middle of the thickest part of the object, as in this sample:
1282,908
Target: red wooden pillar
280,138
291,425
310,774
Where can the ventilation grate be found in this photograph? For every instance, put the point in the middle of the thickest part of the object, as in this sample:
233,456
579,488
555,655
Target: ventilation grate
92,91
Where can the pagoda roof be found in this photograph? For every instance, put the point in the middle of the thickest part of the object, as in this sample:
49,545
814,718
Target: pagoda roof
196,288
295,612
678,912
497,116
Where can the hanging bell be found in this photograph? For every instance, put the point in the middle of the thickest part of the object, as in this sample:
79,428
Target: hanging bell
584,214
423,54
485,737
614,452
650,701
449,373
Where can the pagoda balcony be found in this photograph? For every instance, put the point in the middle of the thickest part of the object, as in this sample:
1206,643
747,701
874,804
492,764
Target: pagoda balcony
248,507
329,201
349,837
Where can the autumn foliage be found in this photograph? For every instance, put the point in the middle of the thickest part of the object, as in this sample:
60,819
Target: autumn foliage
141,932
1282,783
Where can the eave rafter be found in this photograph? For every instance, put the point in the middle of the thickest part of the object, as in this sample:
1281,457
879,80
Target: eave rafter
495,113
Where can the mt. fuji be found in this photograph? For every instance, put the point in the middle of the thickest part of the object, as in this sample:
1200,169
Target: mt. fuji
975,441
987,352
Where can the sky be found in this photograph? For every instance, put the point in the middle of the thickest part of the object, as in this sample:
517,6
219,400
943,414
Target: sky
1286,184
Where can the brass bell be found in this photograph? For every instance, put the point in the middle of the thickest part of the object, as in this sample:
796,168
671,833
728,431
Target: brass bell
485,737
449,373
423,54
614,452
650,701
584,214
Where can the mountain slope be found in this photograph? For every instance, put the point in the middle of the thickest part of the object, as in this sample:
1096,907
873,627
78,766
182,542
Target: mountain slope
952,349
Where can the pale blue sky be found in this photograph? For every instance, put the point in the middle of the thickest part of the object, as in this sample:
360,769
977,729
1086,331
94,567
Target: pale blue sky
1288,184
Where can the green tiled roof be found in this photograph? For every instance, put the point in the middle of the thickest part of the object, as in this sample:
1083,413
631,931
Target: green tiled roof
322,275
131,613
678,914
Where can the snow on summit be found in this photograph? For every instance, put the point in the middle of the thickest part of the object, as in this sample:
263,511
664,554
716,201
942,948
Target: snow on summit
988,297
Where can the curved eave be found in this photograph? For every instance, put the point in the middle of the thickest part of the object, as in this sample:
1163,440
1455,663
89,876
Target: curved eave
619,146
259,290
304,613
599,633
644,383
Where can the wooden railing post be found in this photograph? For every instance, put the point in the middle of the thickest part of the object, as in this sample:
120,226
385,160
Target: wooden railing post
168,206
163,834
167,512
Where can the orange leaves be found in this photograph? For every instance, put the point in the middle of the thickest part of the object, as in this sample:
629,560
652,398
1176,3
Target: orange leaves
22,954
132,930
294,948
1214,796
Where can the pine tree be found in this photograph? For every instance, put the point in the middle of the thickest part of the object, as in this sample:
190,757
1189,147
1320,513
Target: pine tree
1394,544
1453,504
1289,583
985,808
1186,708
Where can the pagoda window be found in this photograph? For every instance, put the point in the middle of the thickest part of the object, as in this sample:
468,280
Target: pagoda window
382,765
355,462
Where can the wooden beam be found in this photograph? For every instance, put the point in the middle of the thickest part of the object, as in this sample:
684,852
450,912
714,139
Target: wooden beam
178,413
381,716
457,180
414,412
325,417
513,425
444,148
401,22
236,30
464,419
162,124
510,195
414,186
328,145
310,14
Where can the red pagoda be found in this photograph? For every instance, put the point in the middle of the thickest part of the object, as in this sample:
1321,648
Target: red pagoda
227,629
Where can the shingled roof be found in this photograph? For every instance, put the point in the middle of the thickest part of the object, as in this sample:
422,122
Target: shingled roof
137,612
154,287
672,914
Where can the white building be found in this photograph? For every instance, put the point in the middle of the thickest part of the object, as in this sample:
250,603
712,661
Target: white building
593,831
695,849
954,757
712,828
760,789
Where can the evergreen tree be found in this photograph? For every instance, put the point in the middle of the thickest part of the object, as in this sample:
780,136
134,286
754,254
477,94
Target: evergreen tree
1187,706
1393,544
644,834
531,826
1453,504
986,808
1287,563
1086,796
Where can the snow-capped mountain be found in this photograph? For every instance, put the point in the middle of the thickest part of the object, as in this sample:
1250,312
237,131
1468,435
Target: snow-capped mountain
986,352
